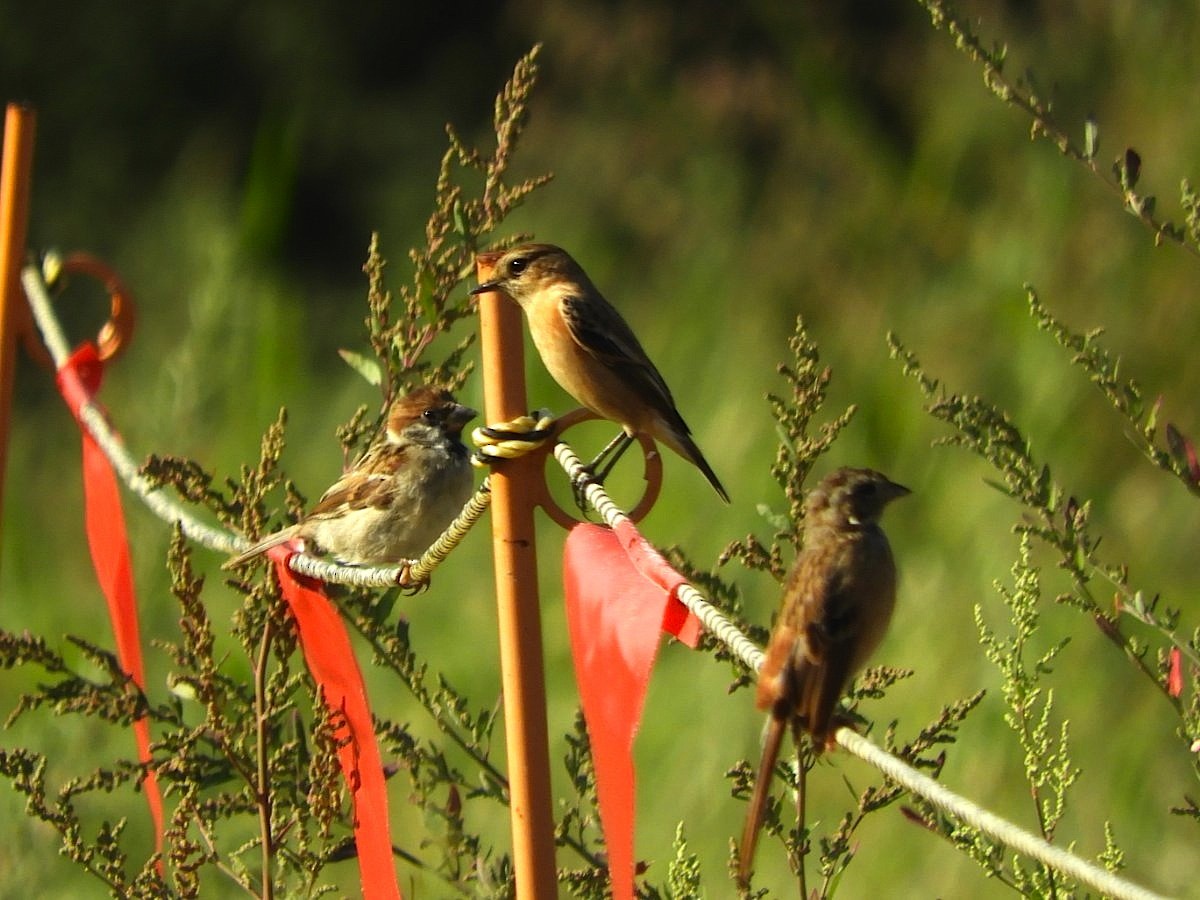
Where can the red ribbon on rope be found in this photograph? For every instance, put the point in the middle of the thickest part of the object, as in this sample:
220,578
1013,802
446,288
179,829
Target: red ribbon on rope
78,381
331,661
620,594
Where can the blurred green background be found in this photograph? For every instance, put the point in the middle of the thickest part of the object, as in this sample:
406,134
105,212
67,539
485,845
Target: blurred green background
719,169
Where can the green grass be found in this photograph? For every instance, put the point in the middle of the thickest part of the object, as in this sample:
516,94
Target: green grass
716,181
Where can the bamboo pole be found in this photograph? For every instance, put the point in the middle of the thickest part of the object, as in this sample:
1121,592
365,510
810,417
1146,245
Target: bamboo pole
515,489
16,167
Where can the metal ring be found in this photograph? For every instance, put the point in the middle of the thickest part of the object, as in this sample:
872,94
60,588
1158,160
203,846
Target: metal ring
651,472
116,333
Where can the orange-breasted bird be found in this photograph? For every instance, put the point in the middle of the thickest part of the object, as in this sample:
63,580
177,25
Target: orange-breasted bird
591,351
837,603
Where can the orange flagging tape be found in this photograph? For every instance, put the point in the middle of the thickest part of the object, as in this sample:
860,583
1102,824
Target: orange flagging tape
330,659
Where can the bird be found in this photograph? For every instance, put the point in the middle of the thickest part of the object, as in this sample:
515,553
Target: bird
399,496
592,353
837,603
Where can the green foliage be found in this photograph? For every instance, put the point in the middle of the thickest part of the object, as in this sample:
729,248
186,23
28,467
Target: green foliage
1024,95
1048,766
431,304
1060,521
683,876
1178,457
798,451
825,166
251,765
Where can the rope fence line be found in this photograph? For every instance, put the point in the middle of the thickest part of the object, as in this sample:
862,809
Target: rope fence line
710,617
713,619
217,539
989,823
1024,842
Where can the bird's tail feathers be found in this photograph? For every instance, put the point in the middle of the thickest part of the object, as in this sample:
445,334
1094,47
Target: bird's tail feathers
680,440
758,800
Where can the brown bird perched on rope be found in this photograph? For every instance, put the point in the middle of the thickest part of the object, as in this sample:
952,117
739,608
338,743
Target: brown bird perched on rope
837,604
400,495
592,352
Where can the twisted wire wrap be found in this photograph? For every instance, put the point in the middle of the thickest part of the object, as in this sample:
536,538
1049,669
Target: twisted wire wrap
512,439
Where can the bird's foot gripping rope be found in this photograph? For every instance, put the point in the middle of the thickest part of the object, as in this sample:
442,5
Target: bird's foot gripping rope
596,472
513,439
406,581
412,577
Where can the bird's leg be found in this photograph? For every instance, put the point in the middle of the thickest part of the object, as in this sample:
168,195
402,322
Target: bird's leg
405,581
616,449
801,824
612,452
594,472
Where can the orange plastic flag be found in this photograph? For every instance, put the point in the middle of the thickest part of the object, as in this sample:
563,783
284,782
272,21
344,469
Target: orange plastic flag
1175,672
620,596
78,381
331,662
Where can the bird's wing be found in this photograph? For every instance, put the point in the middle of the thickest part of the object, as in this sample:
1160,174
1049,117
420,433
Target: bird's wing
272,540
370,484
831,626
600,330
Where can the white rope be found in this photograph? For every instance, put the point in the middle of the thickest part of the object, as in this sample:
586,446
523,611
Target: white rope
97,425
991,824
710,617
1005,832
164,507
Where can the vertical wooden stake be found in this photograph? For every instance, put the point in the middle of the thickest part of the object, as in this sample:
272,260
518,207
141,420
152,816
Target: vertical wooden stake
515,486
16,167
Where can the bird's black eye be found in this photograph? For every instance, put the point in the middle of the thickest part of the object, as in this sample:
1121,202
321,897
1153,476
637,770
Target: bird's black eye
430,415
517,266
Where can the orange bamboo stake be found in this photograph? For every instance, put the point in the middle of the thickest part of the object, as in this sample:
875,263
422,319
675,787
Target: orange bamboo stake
515,489
15,170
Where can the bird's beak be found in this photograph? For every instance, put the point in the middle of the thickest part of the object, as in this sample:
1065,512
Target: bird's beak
893,491
460,416
486,261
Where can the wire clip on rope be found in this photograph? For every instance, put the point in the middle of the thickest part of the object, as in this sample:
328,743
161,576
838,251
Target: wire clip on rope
513,439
